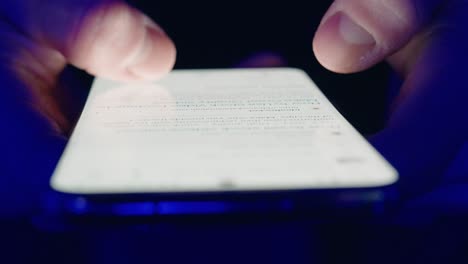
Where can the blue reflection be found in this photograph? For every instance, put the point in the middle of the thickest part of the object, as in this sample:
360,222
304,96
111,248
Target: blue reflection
204,207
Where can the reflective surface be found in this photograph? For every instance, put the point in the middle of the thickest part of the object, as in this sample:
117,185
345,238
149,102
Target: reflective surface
216,130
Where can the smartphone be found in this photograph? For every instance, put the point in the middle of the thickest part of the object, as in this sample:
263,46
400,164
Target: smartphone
215,132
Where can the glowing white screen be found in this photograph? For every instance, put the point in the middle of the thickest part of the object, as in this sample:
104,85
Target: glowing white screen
215,130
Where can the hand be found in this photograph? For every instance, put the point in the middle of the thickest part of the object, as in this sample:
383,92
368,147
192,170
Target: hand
426,43
37,40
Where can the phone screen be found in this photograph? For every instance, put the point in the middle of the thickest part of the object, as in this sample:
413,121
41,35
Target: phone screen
215,130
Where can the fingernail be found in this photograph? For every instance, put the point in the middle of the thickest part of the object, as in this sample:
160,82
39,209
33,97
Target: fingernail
353,33
342,45
142,66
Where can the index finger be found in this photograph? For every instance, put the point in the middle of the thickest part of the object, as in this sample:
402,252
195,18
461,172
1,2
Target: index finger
104,37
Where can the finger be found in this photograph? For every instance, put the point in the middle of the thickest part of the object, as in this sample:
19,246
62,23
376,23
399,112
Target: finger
356,34
430,122
104,37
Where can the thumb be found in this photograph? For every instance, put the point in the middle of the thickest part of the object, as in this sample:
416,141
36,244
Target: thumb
357,34
104,37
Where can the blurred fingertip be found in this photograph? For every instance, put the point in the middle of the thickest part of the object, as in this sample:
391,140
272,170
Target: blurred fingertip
156,57
341,45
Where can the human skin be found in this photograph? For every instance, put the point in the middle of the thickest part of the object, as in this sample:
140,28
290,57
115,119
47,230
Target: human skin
38,39
423,40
